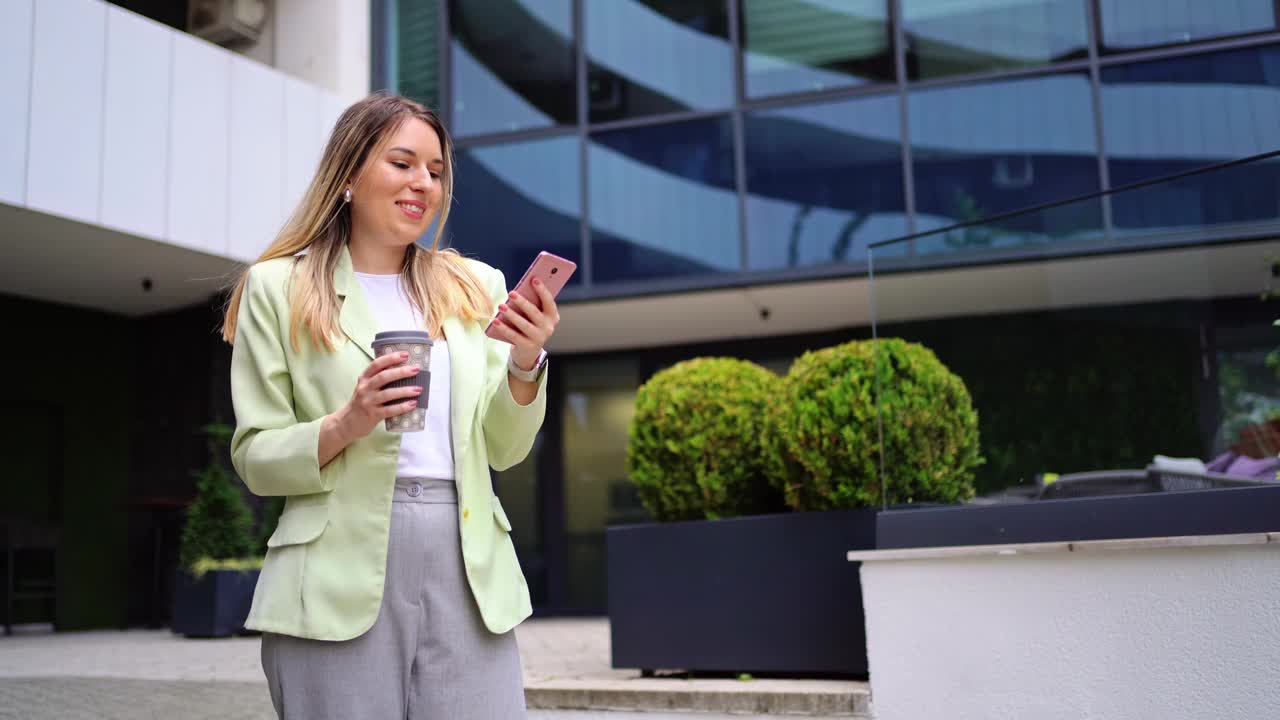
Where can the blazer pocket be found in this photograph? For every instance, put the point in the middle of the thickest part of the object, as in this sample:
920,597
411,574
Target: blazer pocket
500,515
300,524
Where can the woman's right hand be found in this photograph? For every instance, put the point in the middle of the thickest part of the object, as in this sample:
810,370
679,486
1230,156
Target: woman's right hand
366,408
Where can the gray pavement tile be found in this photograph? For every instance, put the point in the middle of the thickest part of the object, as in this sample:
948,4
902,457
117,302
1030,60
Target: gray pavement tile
80,698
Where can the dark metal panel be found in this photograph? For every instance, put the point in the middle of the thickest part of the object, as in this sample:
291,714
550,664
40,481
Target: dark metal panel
1200,512
769,593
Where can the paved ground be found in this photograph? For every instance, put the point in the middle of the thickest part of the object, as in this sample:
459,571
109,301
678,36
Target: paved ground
143,674
155,674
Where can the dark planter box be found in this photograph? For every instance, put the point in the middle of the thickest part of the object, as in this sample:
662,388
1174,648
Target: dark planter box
1167,514
215,605
770,594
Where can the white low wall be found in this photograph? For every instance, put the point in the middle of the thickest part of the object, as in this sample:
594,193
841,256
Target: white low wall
1090,631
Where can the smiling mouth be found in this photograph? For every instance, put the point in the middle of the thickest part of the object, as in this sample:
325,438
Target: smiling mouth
412,210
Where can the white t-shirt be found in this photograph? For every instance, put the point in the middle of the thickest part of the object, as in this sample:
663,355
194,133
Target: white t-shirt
428,453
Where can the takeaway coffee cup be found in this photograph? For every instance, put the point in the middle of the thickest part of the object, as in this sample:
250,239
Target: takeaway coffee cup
418,344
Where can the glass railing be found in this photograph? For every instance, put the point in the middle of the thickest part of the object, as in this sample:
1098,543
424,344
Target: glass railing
1132,351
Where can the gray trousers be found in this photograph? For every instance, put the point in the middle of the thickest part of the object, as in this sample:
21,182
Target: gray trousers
427,657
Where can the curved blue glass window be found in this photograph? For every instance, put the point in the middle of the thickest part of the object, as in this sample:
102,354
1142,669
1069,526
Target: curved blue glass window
663,202
823,181
945,37
801,45
978,150
646,57
512,65
1167,116
1128,24
512,201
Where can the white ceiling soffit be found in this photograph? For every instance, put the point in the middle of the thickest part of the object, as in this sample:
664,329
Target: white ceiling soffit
1230,270
62,261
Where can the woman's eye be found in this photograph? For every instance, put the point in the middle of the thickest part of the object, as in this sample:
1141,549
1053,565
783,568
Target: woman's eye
435,175
401,165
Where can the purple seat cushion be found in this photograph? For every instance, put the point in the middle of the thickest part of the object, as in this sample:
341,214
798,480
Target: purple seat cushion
1264,469
1221,463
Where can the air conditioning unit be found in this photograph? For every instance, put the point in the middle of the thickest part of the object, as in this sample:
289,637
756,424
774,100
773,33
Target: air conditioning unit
227,22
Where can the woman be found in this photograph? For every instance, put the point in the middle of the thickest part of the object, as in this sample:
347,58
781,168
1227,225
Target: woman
390,587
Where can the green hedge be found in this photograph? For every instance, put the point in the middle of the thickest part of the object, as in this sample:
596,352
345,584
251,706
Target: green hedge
1073,391
696,445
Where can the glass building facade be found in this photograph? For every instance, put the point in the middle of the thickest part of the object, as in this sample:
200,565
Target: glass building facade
670,145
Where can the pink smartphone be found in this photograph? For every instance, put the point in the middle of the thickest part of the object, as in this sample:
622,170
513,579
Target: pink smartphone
553,270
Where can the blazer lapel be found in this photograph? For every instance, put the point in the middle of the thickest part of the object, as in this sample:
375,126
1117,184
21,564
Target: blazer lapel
356,318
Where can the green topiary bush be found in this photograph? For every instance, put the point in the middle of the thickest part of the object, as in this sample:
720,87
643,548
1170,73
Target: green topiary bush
825,451
219,523
696,444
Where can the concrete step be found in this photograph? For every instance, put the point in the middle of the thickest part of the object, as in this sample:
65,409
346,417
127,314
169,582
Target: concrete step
699,699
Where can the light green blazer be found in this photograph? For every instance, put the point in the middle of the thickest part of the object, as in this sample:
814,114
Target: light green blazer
323,574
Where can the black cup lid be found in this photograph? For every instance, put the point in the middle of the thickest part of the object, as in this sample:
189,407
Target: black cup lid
402,336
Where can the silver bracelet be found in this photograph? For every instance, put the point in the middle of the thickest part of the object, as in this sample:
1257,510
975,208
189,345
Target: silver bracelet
533,374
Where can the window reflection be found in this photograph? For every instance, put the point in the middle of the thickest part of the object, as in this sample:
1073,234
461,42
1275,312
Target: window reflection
656,56
1246,441
1164,117
979,150
807,45
950,37
512,201
663,201
1130,24
1249,396
598,406
512,64
823,182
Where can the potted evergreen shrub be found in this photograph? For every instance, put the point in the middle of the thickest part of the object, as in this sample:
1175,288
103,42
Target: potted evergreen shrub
826,452
217,568
761,485
695,446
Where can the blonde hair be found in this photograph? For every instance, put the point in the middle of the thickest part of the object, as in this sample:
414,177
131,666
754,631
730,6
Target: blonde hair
321,225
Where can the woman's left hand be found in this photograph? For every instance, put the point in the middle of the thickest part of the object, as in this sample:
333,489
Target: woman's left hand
527,326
